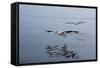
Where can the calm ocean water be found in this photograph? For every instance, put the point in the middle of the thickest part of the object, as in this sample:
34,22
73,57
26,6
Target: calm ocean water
33,39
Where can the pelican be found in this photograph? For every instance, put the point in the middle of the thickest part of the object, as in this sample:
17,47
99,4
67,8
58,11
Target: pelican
79,23
62,33
75,23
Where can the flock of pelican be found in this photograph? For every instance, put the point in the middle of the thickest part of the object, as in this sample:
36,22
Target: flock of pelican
63,51
64,34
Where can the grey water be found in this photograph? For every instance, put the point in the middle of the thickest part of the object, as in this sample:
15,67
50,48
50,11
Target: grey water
33,39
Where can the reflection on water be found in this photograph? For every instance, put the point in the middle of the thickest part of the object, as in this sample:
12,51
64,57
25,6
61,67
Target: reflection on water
56,51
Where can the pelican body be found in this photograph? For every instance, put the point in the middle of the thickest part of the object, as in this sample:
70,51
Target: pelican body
62,33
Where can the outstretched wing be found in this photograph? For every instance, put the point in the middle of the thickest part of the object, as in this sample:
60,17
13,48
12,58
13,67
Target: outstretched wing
49,31
70,23
71,31
79,23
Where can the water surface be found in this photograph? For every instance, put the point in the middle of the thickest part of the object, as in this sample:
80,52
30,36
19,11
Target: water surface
33,39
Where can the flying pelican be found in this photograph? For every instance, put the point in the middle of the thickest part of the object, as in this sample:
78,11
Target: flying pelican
79,23
75,23
62,33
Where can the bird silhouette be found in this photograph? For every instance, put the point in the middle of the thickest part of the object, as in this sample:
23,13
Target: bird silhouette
77,23
62,33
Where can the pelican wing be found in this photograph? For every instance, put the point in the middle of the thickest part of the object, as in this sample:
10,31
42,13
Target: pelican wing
71,31
49,31
70,23
80,23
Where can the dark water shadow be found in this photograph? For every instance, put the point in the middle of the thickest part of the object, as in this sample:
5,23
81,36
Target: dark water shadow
57,51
